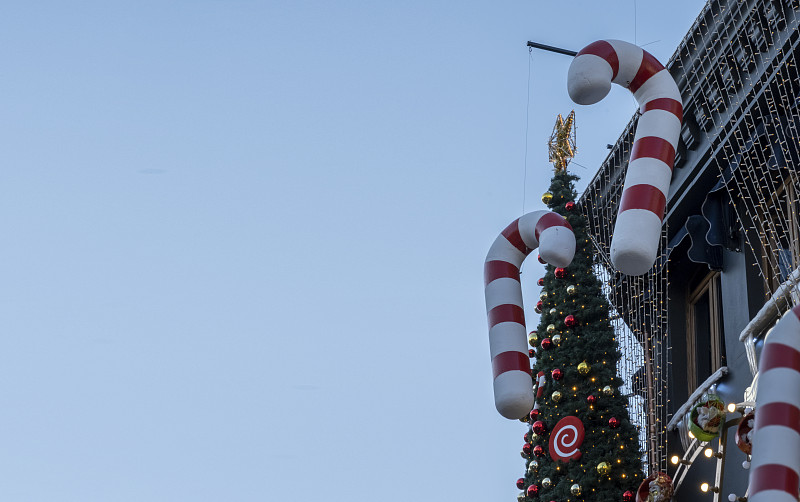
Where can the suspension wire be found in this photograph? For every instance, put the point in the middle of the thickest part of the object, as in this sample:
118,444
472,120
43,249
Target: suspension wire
527,125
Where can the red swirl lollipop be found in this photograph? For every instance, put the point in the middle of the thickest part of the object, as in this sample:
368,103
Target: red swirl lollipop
566,439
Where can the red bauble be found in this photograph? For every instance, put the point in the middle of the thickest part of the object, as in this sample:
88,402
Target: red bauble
539,305
531,353
547,343
527,437
557,374
570,321
521,483
569,206
560,273
591,399
627,496
541,260
613,422
533,490
539,427
534,414
540,282
538,451
526,448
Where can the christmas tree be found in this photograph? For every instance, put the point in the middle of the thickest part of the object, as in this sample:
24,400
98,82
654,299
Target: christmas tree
581,444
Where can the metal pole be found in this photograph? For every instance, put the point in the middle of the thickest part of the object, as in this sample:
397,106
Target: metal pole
550,48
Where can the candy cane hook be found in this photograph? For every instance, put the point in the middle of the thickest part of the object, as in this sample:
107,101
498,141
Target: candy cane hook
775,468
550,232
638,229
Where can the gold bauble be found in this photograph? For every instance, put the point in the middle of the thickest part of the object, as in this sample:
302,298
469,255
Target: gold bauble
533,466
603,468
583,368
551,328
521,497
608,391
556,339
547,197
543,295
553,311
532,339
546,483
535,437
556,396
571,289
575,489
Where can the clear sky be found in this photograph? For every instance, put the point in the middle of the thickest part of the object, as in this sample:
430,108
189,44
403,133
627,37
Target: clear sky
242,241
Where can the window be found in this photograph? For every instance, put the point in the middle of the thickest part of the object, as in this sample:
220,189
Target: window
704,335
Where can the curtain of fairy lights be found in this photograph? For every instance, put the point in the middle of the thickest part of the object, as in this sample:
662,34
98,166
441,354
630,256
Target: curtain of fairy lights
739,61
639,310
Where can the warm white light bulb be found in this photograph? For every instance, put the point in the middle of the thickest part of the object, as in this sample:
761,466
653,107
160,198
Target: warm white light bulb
675,459
731,407
708,453
704,487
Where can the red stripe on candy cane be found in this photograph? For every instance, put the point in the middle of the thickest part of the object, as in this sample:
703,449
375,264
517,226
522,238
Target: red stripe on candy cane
603,49
666,104
506,313
655,148
784,414
508,341
773,477
511,233
510,361
778,355
643,197
649,67
499,270
550,220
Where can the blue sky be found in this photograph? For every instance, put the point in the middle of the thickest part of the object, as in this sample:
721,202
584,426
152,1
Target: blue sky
243,241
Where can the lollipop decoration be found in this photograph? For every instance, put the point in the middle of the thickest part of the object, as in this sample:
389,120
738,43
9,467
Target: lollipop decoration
776,442
638,229
550,232
566,439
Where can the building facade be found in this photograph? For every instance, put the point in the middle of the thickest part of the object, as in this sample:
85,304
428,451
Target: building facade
730,247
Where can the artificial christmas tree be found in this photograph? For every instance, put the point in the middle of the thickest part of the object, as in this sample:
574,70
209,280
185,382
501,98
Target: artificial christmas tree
587,447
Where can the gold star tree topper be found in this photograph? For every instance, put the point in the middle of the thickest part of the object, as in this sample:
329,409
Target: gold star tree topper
562,142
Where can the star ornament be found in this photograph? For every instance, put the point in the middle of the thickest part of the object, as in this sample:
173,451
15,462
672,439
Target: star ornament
562,142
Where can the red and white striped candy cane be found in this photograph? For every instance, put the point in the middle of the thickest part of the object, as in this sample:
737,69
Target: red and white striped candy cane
541,380
775,468
550,232
641,209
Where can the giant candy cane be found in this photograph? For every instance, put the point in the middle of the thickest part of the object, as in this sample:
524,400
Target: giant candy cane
637,232
775,469
550,232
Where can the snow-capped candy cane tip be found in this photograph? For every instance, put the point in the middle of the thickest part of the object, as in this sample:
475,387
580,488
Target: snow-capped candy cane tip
775,469
638,229
553,236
